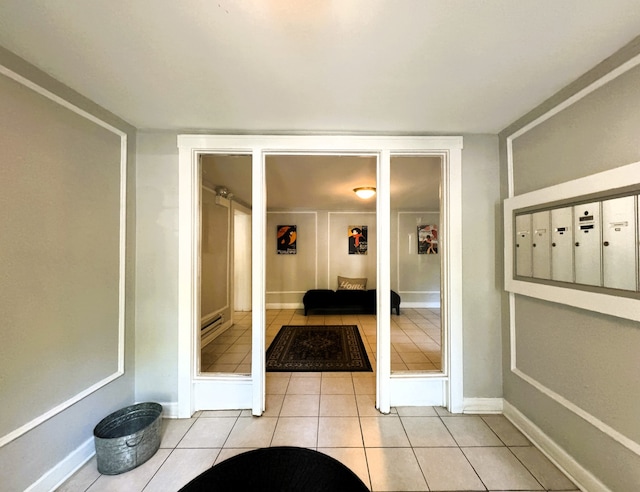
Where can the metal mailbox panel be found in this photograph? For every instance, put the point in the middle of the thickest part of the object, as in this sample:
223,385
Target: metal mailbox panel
562,244
541,244
587,247
619,243
524,264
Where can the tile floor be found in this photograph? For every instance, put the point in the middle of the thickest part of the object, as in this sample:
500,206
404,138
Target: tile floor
410,449
415,338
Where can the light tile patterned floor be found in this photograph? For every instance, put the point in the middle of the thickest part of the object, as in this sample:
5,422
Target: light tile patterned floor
415,338
411,449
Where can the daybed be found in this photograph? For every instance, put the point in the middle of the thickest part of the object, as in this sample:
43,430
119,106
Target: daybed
345,300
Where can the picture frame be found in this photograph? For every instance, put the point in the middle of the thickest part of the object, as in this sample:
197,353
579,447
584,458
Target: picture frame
286,240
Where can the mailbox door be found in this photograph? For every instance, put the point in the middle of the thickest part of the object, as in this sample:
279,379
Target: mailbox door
619,243
524,267
587,249
541,244
562,244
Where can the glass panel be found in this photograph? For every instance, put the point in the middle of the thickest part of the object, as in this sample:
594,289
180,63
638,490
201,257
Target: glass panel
416,334
225,264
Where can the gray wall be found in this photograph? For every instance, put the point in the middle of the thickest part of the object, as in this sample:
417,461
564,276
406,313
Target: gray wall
60,197
157,268
157,271
482,269
587,358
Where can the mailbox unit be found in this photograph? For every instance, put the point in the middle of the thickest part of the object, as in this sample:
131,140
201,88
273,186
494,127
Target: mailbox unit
593,244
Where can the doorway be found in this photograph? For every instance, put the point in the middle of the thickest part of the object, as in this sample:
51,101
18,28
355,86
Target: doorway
397,389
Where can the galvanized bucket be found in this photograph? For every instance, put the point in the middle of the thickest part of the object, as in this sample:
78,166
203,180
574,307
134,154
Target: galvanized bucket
128,437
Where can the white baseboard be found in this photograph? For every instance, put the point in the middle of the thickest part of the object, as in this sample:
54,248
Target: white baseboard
169,409
482,405
64,469
418,305
284,305
582,477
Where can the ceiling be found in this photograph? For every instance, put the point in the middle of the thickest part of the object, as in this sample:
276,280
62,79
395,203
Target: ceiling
313,66
313,182
404,67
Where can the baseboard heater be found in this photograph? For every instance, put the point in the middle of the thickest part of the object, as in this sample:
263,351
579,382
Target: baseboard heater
213,323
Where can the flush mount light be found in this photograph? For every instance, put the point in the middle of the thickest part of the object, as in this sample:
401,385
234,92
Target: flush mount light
365,192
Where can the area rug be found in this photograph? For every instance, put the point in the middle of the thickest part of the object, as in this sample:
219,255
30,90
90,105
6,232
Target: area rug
279,468
309,348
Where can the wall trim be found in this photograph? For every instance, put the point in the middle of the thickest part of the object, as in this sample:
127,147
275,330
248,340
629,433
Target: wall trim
582,477
315,221
16,433
63,470
418,305
608,77
617,436
284,305
483,405
613,305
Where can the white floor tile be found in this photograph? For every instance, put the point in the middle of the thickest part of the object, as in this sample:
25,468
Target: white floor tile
182,466
394,469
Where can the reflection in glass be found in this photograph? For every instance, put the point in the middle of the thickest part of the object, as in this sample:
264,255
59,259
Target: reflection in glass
416,335
225,264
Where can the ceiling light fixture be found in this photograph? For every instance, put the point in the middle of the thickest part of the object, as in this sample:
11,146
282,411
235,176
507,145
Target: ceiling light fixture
365,192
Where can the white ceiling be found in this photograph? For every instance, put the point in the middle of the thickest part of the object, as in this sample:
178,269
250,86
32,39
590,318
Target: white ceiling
306,182
319,66
369,66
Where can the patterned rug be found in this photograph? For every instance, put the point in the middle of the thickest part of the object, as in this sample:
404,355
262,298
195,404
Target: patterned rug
311,348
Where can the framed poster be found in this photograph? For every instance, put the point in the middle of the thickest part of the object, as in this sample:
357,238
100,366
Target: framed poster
427,239
287,239
357,240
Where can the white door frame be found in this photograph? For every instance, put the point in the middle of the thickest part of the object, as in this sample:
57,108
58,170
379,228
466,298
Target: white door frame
196,392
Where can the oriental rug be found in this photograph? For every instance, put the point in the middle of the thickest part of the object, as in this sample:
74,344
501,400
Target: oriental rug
310,348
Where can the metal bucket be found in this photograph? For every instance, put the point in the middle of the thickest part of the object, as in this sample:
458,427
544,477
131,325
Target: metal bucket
128,437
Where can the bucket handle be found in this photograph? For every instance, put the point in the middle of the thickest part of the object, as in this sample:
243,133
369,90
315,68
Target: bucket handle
132,443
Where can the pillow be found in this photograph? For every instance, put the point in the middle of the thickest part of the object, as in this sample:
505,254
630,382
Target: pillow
346,283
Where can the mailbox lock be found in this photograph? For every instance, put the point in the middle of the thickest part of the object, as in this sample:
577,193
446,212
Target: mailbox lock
577,244
534,245
553,244
606,243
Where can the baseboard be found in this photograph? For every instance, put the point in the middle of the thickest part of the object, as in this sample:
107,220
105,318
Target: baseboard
482,405
582,477
284,305
57,475
418,305
169,409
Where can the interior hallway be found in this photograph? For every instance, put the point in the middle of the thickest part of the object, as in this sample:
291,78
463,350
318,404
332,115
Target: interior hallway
411,449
